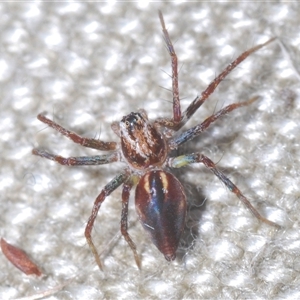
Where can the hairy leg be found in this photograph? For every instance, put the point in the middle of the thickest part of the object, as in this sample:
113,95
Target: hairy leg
109,188
80,160
124,222
86,142
193,132
183,160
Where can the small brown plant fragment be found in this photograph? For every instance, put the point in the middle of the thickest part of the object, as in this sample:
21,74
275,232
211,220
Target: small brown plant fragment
19,259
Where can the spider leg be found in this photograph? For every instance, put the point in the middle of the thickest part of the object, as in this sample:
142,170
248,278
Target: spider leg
109,188
124,223
199,100
184,160
79,160
193,132
86,142
175,89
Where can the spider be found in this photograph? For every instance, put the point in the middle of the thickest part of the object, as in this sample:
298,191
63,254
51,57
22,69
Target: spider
145,148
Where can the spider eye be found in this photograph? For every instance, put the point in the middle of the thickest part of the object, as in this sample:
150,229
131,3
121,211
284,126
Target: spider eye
132,121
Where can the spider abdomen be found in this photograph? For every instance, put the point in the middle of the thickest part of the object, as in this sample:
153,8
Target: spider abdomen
161,205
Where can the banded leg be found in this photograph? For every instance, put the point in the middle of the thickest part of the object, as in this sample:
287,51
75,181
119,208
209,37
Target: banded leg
175,89
193,132
80,160
86,142
184,160
110,187
213,85
124,222
199,100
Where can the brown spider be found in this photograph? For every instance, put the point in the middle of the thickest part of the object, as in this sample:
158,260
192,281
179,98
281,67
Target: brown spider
145,146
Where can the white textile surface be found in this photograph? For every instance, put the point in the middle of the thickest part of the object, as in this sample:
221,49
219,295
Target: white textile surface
89,64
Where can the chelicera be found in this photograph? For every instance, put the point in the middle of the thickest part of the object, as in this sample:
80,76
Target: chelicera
145,148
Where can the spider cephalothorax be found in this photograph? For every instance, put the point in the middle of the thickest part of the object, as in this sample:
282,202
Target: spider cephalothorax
142,145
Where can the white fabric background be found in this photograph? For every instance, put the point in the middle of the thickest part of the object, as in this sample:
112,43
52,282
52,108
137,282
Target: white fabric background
90,64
